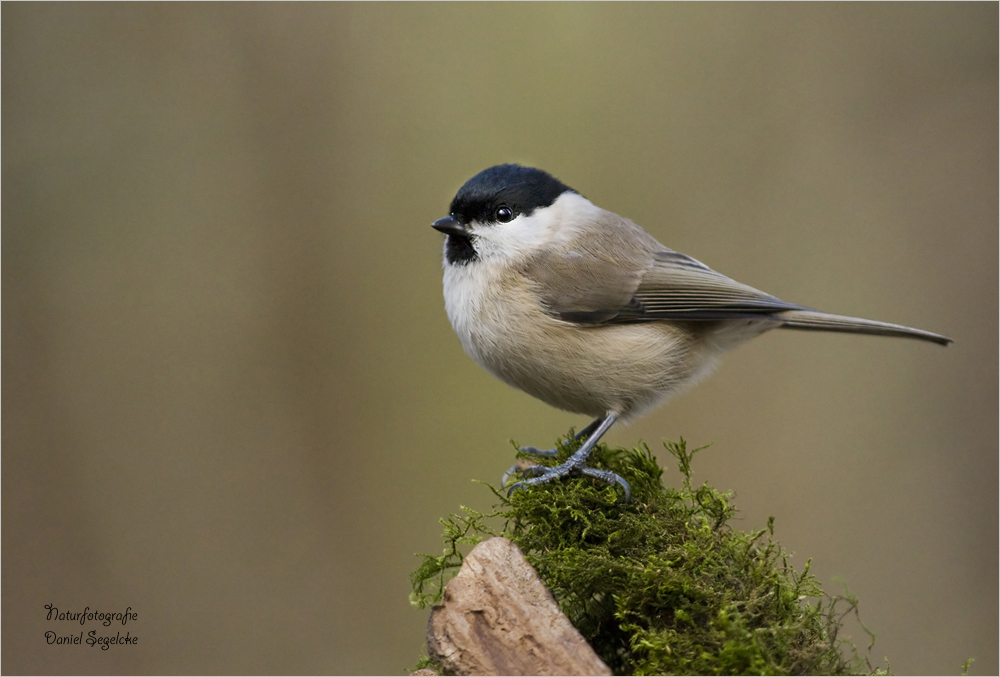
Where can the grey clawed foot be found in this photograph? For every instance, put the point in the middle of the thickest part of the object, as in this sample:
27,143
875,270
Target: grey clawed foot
530,471
610,478
516,468
541,475
575,465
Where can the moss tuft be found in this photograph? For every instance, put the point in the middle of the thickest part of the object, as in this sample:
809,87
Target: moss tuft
661,585
427,663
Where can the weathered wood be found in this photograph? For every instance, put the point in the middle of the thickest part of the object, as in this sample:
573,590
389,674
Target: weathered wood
496,618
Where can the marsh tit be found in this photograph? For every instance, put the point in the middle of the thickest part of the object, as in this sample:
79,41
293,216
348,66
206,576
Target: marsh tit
586,311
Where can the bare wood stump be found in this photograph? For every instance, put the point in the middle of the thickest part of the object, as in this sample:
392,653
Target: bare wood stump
496,618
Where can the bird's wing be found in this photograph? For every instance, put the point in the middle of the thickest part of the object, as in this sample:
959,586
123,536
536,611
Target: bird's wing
623,275
678,287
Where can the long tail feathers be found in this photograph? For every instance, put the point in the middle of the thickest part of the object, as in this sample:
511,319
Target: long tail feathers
817,321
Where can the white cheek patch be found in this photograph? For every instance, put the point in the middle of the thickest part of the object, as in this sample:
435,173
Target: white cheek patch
519,237
545,227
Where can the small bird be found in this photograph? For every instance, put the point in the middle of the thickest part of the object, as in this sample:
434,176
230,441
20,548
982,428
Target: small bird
584,310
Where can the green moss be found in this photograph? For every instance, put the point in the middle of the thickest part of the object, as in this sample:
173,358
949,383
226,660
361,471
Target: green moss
427,663
661,585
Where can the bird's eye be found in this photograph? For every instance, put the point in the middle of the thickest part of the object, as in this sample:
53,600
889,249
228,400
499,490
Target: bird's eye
504,214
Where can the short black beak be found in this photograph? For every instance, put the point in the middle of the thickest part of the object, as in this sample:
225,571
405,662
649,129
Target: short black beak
449,226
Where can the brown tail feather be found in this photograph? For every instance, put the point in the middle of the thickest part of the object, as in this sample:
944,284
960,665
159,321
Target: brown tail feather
817,321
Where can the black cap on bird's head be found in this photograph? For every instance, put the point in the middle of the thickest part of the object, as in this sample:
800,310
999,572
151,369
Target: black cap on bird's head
521,190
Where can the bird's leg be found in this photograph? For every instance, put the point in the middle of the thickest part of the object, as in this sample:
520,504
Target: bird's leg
576,464
544,453
551,453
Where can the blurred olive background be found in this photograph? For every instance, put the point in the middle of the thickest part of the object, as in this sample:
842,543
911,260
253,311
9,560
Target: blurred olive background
232,399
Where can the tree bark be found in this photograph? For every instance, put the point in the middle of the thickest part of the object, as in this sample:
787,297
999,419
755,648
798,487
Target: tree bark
496,618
